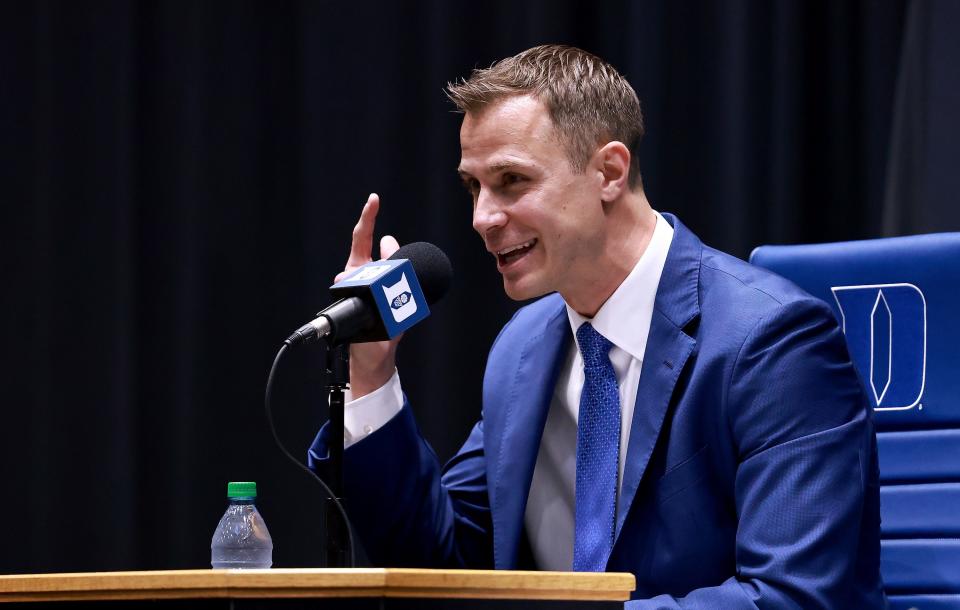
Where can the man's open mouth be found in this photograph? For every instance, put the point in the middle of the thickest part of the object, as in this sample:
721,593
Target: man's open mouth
513,253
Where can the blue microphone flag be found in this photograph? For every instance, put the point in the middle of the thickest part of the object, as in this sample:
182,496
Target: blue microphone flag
392,286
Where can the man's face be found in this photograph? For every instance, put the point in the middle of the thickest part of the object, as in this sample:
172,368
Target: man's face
541,219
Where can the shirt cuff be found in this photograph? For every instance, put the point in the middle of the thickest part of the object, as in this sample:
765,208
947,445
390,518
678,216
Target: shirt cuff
367,414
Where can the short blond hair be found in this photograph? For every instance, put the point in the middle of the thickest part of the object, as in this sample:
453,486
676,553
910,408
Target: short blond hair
589,102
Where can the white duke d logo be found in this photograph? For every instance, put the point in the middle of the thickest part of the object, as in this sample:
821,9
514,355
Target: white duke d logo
886,330
402,303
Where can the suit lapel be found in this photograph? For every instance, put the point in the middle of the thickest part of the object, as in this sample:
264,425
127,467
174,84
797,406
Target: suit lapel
526,402
667,351
668,348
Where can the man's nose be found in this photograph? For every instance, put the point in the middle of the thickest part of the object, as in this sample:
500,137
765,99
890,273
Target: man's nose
487,213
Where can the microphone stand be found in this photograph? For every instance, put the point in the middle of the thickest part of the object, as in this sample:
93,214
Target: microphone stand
338,374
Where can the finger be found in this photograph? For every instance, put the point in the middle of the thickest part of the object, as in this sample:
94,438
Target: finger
388,246
361,247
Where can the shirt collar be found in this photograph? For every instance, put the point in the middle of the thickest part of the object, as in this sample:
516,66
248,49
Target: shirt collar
630,308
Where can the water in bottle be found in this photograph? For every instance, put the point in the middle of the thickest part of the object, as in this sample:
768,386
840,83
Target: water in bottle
241,539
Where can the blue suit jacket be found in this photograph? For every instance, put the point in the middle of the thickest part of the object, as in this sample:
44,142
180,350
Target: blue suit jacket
751,475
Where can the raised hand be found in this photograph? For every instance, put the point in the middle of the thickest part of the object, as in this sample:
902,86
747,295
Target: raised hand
371,364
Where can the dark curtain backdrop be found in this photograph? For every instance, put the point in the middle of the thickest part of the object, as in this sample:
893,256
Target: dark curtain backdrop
179,182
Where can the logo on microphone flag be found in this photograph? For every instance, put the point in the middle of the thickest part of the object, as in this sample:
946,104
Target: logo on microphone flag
402,303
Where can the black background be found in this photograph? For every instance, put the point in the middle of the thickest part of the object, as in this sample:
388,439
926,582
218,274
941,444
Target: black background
179,181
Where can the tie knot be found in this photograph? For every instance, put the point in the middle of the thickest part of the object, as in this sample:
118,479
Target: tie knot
594,347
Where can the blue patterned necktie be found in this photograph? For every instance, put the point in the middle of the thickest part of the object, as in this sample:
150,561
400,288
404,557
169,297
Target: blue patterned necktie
598,453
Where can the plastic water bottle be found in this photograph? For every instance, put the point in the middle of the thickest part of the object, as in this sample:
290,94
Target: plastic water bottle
241,539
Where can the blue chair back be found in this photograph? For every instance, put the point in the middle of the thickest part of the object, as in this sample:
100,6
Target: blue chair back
898,302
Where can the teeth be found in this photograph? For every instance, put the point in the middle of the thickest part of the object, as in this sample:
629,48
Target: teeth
506,251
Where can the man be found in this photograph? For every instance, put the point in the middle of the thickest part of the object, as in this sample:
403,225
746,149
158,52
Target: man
665,410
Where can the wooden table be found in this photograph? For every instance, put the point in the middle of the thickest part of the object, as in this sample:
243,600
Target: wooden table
357,588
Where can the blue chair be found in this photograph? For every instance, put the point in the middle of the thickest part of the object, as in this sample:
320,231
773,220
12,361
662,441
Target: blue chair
898,301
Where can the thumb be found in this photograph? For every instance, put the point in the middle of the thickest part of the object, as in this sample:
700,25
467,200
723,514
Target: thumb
388,246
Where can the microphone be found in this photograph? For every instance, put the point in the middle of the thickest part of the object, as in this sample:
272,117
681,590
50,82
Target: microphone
382,299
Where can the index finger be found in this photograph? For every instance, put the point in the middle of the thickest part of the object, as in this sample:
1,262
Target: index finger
361,246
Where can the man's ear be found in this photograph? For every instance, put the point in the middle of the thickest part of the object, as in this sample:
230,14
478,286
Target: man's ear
613,162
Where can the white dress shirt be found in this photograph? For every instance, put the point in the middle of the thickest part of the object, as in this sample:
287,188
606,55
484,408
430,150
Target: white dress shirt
624,319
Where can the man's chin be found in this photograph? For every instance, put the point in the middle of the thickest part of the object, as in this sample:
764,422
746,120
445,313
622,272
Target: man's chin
520,291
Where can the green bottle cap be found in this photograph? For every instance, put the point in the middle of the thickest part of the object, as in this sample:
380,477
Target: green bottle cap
241,489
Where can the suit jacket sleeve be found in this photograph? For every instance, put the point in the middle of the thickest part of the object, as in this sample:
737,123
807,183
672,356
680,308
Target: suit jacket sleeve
406,512
806,480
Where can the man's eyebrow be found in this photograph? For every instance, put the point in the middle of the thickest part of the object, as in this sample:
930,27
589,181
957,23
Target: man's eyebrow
495,167
506,164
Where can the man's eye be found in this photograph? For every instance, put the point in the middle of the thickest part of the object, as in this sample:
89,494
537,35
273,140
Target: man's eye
509,179
472,186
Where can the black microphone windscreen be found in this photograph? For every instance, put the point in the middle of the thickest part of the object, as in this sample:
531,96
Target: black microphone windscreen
432,267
